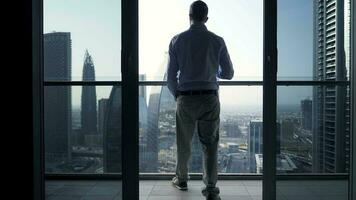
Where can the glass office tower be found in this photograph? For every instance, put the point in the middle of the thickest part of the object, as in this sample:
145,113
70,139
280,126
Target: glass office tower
331,133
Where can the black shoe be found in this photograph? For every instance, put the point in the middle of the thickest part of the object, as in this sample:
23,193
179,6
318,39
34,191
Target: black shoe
180,185
213,197
211,193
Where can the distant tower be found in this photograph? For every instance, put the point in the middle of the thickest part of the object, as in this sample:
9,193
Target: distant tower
330,103
255,141
306,108
112,133
103,103
57,100
232,129
89,108
152,131
142,103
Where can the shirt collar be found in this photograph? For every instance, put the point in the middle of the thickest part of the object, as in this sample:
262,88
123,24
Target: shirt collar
199,26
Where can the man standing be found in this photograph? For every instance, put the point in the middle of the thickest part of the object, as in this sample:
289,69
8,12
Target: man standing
197,58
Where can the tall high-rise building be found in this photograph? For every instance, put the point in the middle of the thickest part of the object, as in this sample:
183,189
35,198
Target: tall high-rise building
152,131
102,110
347,48
232,129
112,133
89,108
255,142
142,103
57,100
330,120
306,108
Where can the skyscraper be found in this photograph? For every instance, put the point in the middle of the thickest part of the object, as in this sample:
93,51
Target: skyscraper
57,99
142,103
103,103
306,108
255,142
232,129
152,131
330,132
112,133
89,109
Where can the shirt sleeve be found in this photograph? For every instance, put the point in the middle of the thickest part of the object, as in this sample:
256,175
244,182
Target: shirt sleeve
226,70
172,69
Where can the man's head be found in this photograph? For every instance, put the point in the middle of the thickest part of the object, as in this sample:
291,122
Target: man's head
198,12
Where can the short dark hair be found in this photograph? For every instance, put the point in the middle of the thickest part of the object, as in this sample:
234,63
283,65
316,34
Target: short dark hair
198,11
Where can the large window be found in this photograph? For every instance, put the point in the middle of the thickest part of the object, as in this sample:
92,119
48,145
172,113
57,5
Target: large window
241,105
86,49
313,104
82,102
82,121
318,113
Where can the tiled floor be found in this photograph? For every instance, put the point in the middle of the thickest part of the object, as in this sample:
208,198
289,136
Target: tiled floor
230,190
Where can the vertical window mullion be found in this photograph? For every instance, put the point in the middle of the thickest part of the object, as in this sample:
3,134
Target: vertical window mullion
37,100
352,189
129,70
269,99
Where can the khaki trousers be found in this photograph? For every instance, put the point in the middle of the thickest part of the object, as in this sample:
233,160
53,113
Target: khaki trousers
203,111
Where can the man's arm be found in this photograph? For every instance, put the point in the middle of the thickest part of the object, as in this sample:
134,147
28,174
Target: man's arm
172,69
226,70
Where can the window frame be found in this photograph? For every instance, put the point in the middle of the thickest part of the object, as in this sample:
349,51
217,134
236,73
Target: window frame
130,84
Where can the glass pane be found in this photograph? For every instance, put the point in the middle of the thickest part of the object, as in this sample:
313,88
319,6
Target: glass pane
82,126
313,39
314,138
82,132
240,118
240,127
313,44
160,20
74,27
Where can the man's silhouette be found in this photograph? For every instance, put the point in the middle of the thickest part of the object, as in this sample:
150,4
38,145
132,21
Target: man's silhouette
197,58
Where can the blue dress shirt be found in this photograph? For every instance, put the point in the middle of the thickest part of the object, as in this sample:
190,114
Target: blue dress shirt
197,58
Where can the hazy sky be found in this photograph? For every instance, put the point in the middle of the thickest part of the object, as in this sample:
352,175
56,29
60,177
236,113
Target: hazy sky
96,25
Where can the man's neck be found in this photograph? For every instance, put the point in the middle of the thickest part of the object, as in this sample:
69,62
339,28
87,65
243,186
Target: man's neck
196,23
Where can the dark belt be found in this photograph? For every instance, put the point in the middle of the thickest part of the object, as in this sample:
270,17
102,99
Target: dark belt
197,92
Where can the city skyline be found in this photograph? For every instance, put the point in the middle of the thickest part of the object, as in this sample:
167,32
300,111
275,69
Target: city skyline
240,105
243,38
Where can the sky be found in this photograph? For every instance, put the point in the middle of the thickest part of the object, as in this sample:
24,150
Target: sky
96,25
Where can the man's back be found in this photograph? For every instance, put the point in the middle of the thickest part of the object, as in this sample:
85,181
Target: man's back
199,56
